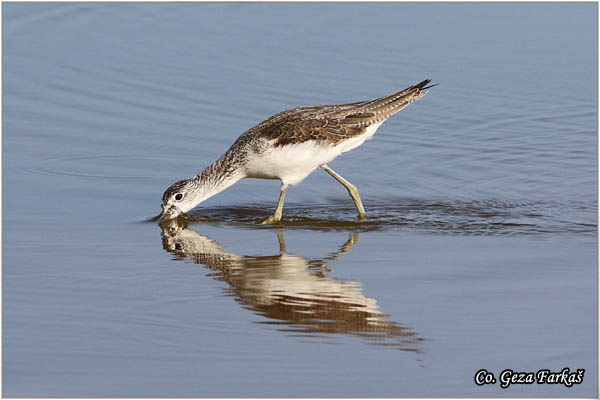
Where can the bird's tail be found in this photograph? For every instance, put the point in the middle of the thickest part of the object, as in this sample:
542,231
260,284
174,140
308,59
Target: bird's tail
371,111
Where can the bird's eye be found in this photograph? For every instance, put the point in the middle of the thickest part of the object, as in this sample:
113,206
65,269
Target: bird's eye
178,196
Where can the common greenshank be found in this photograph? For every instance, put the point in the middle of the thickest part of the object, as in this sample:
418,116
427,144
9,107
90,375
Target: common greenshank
289,146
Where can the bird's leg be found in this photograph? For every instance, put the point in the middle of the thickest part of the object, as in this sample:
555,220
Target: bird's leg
275,218
352,191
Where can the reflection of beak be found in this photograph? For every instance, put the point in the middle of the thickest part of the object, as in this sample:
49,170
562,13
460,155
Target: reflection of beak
172,227
170,212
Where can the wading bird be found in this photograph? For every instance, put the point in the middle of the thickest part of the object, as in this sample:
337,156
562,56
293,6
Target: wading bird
289,146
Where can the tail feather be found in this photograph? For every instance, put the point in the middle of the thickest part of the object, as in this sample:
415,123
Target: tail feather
384,107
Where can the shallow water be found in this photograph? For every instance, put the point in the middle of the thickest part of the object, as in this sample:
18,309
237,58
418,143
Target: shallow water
479,250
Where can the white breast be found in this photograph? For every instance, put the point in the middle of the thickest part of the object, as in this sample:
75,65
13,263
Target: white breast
294,162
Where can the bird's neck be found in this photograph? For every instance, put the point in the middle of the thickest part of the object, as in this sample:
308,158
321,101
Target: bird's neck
219,176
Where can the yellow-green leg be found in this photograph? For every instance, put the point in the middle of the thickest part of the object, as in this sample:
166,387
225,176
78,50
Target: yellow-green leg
352,191
275,218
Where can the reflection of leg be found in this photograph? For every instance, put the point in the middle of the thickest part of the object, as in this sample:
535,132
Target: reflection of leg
346,247
281,242
275,218
352,191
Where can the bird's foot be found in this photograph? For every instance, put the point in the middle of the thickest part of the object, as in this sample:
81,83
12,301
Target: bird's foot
362,216
271,220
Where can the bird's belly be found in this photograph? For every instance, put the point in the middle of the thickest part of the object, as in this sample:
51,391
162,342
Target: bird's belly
290,163
293,162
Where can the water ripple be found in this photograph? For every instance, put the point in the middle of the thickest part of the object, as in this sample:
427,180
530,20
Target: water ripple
444,217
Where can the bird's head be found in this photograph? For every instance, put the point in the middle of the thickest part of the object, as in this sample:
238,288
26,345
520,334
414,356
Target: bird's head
179,198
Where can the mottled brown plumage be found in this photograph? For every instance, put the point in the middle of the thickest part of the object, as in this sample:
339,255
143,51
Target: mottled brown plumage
333,123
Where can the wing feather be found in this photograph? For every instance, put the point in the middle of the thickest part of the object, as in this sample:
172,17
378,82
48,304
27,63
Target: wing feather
334,123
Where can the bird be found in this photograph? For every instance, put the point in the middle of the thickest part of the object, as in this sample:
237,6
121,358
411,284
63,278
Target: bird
289,146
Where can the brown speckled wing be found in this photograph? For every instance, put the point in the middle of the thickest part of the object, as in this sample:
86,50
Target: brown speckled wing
320,130
334,123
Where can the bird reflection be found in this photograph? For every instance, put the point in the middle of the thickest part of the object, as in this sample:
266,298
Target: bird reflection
293,293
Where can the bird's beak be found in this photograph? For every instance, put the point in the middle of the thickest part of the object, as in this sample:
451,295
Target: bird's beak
168,213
